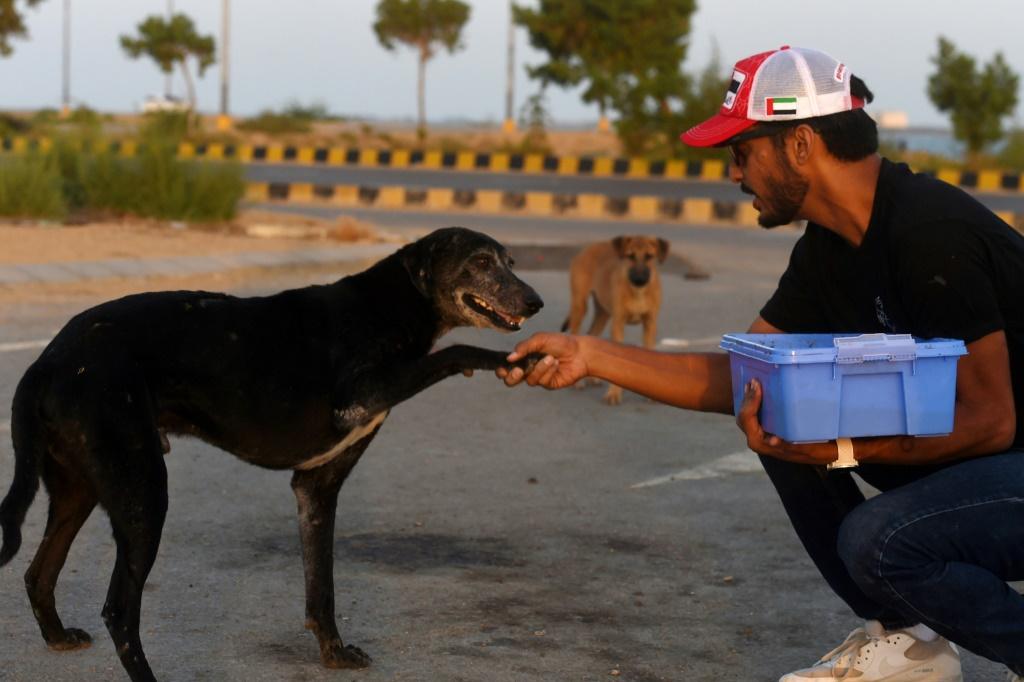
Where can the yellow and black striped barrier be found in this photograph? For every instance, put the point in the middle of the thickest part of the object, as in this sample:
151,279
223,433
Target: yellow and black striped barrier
691,210
594,166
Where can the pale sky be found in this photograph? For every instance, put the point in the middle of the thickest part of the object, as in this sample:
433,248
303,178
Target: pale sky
325,51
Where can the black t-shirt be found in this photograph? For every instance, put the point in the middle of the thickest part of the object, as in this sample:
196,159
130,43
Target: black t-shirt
933,263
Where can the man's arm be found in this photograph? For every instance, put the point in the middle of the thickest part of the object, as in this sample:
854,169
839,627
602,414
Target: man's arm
693,381
984,418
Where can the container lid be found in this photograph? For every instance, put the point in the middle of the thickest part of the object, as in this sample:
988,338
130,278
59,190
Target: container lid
791,349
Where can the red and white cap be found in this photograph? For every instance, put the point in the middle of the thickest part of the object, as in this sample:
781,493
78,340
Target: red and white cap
787,84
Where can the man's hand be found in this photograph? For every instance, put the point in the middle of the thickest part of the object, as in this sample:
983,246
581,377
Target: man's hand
563,363
771,445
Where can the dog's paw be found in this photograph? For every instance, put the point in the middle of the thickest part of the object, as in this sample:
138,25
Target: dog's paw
337,654
613,396
72,639
527,363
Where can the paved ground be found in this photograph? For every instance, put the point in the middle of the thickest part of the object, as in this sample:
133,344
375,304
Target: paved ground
488,533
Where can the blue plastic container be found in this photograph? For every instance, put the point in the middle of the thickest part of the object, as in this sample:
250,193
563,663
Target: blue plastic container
820,387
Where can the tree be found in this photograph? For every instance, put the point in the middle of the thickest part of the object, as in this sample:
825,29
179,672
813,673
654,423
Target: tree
11,23
425,25
170,42
977,99
627,54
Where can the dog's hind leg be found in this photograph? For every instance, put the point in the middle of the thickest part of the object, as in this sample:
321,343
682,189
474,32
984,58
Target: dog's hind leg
131,483
601,318
137,515
580,286
71,502
316,492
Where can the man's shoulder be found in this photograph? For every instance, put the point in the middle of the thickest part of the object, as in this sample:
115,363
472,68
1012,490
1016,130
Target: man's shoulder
918,198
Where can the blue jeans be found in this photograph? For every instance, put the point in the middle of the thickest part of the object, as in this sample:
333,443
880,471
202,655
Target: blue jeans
936,547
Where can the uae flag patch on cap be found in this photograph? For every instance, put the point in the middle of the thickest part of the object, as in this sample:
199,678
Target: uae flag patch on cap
779,106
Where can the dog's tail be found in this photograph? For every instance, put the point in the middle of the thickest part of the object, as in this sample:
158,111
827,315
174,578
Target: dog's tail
28,446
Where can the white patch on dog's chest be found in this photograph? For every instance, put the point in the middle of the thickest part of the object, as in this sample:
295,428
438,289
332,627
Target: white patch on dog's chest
353,437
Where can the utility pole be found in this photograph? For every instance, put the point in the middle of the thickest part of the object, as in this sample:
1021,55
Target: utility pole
224,120
167,77
509,126
65,95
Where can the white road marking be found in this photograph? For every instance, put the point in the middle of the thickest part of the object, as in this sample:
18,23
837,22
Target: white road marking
5,424
745,462
23,345
687,343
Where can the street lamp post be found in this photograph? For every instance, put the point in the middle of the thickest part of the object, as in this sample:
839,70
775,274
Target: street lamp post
509,126
224,119
65,95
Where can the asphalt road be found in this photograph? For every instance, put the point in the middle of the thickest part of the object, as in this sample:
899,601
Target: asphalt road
487,534
523,182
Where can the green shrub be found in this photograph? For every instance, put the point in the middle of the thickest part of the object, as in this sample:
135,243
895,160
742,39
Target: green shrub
30,187
84,116
11,125
73,177
165,187
1012,155
275,124
293,118
314,112
169,126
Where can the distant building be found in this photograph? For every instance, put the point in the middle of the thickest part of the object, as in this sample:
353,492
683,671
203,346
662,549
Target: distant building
892,120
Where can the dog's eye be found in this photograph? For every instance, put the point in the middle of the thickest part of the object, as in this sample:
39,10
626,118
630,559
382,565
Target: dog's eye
482,262
511,262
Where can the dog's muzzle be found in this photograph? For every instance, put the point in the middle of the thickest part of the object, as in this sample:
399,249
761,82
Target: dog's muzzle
638,277
533,303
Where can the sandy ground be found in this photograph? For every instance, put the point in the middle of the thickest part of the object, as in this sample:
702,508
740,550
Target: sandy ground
34,242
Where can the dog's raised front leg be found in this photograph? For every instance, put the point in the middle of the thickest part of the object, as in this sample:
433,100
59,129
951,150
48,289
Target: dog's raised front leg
374,392
316,492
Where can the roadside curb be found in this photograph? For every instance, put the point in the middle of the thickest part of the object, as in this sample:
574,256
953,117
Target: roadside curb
987,180
541,204
689,210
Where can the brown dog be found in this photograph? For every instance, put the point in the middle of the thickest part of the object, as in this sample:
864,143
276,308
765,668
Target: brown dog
622,275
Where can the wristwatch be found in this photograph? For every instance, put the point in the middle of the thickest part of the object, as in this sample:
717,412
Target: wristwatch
845,460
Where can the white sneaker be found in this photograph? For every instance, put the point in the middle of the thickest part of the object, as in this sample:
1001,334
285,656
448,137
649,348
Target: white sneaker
870,654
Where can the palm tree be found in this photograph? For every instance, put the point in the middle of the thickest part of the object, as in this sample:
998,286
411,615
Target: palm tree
172,41
424,25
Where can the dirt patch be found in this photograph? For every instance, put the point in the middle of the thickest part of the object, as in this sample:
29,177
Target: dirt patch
33,243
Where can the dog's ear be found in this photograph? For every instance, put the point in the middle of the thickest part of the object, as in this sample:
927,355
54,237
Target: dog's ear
662,250
416,261
619,244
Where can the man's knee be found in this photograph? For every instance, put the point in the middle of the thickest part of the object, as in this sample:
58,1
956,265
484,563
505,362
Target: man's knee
862,539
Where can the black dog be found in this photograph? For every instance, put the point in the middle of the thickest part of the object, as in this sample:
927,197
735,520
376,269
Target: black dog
301,380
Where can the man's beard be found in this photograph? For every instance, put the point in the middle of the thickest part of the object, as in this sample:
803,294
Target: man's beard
783,197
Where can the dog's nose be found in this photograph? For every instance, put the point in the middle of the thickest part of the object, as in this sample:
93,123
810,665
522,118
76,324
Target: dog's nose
639,277
533,302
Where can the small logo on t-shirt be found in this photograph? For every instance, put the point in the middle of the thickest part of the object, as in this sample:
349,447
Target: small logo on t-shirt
883,319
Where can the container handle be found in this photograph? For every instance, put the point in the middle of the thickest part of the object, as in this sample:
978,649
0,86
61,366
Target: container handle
874,348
